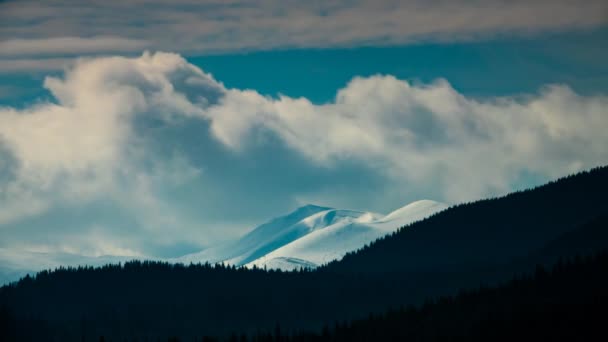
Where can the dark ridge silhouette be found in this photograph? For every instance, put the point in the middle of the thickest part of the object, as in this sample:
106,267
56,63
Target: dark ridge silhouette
485,242
566,303
489,231
587,239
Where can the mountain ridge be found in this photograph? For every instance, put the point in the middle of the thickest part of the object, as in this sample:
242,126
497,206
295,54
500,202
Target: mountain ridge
346,235
460,236
138,299
314,228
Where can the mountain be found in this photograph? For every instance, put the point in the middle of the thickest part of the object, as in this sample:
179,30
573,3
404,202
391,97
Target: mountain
306,238
481,243
587,239
488,232
311,236
341,232
262,239
564,303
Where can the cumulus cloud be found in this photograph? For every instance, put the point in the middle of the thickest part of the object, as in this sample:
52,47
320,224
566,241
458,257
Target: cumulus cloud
165,146
429,134
83,145
32,27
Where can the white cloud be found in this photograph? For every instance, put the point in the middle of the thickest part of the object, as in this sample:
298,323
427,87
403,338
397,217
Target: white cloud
98,141
79,146
429,135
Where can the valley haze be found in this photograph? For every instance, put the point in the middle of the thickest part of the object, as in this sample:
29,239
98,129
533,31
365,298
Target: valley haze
308,237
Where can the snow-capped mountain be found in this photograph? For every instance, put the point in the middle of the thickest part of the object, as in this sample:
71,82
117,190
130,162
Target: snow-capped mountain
264,238
346,235
311,236
308,237
272,235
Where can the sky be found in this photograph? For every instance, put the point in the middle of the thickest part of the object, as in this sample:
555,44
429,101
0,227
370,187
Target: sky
155,129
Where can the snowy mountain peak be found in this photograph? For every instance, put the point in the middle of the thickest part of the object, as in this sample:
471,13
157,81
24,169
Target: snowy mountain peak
342,231
280,223
312,235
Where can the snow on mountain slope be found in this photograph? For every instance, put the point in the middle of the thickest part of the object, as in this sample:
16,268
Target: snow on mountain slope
269,236
308,237
316,222
343,236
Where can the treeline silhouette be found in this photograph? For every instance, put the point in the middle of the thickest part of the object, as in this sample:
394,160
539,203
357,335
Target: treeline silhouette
565,303
484,242
487,232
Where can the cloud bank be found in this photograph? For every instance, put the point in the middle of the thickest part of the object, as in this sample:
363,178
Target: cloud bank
41,28
152,150
68,45
428,134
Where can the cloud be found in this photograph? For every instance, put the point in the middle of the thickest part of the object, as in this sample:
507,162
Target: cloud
89,125
152,151
83,145
429,135
32,28
68,45
9,66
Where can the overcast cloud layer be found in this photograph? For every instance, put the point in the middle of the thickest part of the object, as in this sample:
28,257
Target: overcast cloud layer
134,155
69,27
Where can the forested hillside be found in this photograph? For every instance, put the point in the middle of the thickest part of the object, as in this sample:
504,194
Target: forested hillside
486,242
490,231
564,303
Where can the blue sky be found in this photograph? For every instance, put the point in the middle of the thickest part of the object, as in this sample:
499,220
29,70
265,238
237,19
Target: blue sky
500,66
162,129
496,67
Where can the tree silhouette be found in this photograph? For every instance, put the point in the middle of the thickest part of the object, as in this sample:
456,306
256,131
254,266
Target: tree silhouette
484,242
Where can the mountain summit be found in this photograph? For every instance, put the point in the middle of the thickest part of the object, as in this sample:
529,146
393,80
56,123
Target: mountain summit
311,236
343,231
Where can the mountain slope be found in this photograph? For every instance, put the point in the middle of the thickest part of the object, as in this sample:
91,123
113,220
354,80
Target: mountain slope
262,237
565,303
481,241
488,232
322,224
347,234
587,239
311,236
